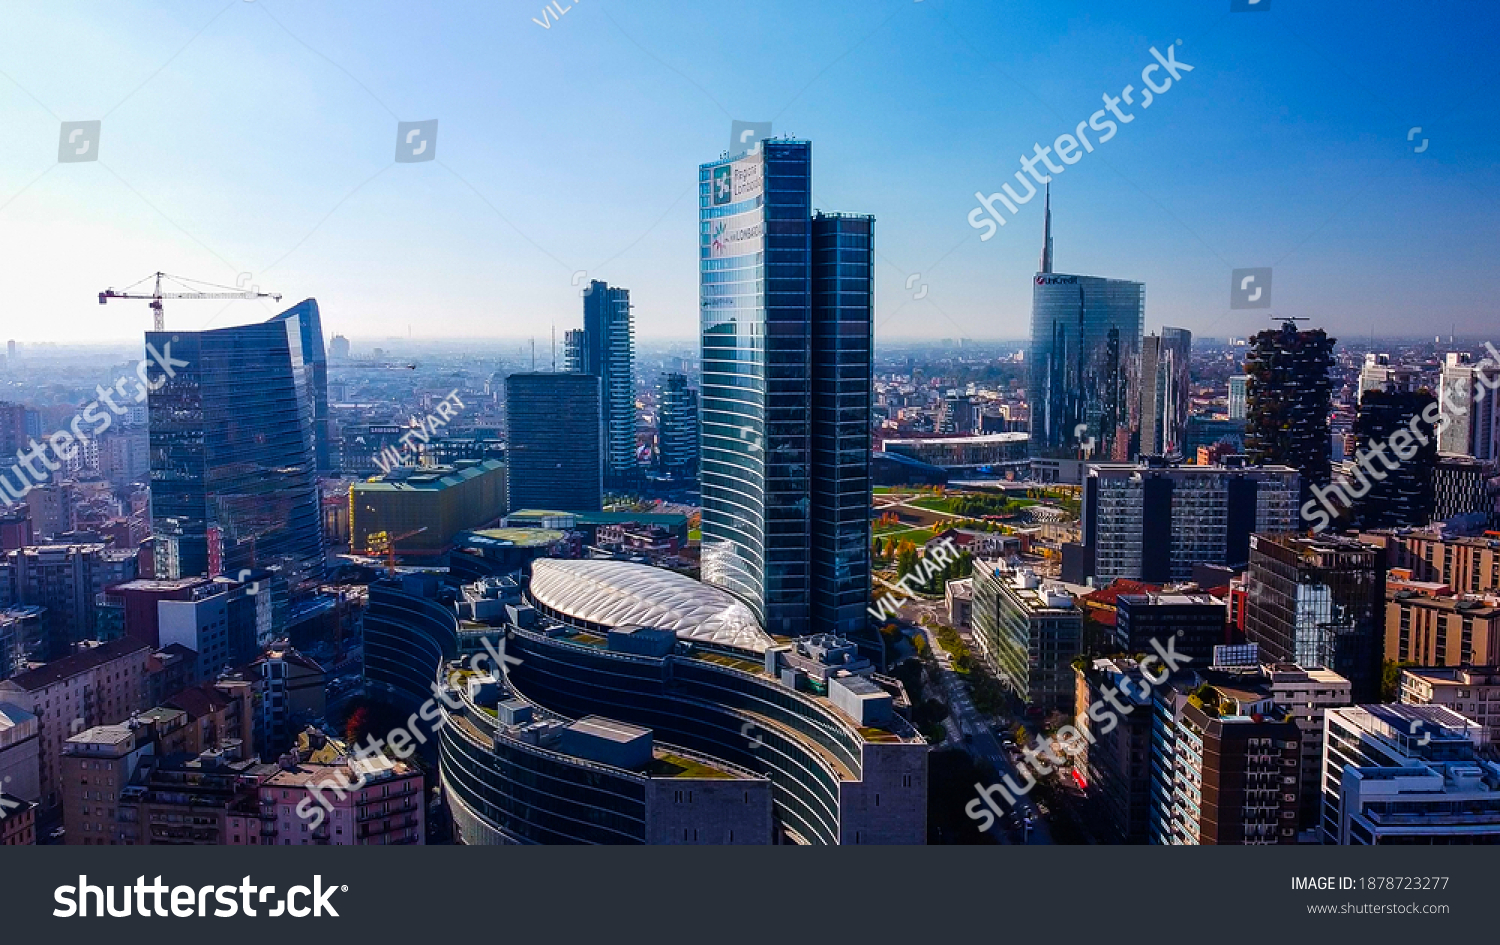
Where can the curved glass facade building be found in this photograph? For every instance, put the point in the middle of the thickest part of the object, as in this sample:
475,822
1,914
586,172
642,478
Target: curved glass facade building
234,452
786,304
598,731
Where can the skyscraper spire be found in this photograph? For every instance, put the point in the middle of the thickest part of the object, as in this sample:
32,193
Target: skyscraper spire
1046,262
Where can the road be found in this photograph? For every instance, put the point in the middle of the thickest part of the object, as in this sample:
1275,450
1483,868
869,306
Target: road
976,736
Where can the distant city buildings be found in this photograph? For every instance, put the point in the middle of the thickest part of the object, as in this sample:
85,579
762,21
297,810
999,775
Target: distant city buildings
1238,406
1473,428
415,511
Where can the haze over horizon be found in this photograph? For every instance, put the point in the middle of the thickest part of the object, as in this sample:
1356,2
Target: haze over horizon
257,138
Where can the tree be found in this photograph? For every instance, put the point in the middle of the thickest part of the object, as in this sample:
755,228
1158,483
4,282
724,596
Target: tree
355,727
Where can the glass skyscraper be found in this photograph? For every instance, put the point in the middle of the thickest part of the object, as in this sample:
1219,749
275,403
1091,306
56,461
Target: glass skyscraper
1085,363
609,350
787,327
233,453
316,359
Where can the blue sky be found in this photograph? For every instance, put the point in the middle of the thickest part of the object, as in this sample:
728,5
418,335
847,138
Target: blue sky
258,137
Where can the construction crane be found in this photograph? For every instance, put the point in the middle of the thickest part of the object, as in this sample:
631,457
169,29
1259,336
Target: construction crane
384,540
155,298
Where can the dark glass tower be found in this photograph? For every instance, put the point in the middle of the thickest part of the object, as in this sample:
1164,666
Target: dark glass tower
554,442
679,428
233,469
786,365
313,355
1403,494
843,345
609,344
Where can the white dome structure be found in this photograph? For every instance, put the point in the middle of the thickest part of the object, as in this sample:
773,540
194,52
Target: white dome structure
622,594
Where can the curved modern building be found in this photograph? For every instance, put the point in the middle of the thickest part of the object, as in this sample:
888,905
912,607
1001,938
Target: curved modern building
639,706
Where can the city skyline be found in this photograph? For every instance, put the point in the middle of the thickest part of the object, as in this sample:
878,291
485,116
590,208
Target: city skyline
1311,172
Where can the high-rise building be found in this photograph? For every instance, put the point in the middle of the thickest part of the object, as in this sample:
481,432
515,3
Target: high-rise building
1473,427
555,442
315,360
234,452
1154,521
1290,395
1117,758
1084,360
1405,775
1165,391
65,581
609,338
787,330
1319,602
1237,403
1462,485
678,430
576,351
1307,694
1397,492
338,349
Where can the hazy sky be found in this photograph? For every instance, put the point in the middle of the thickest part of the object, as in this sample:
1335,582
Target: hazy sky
259,137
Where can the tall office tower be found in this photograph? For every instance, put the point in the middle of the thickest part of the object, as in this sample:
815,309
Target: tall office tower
1153,521
1290,395
843,392
576,351
1473,428
555,442
1319,602
679,428
1399,491
956,415
234,481
1085,362
310,327
338,349
1237,403
609,339
1165,391
787,324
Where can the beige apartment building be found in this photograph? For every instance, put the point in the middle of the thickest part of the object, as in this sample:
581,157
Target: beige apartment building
98,685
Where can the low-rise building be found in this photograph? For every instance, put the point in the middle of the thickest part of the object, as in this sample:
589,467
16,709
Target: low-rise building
1470,691
354,801
17,821
96,766
1407,774
20,746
